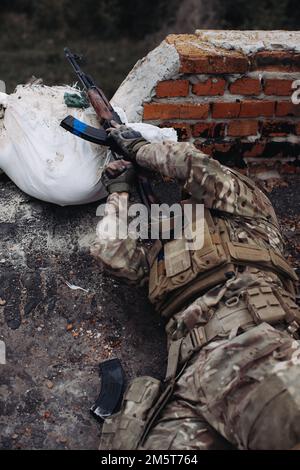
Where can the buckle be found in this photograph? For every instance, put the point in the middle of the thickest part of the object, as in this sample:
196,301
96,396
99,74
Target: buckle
193,341
294,330
198,337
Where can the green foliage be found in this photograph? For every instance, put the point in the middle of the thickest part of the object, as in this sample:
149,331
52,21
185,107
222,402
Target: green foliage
48,15
260,14
131,18
139,18
112,35
21,6
99,18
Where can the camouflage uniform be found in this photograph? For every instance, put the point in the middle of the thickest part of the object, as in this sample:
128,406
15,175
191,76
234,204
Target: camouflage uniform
240,385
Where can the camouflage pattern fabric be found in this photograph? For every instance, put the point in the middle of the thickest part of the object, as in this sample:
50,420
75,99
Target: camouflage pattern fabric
246,388
252,217
242,389
124,258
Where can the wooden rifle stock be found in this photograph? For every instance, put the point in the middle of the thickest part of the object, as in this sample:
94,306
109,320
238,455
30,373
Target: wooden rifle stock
100,107
105,114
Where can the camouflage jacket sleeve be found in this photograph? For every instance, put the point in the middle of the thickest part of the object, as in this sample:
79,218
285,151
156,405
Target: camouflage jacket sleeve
209,182
117,253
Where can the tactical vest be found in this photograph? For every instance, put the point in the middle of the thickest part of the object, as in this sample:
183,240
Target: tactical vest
178,275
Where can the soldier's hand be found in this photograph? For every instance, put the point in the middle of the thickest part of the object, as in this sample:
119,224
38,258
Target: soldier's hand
125,141
118,176
116,168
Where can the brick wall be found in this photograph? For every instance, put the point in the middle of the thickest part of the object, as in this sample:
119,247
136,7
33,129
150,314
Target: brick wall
233,100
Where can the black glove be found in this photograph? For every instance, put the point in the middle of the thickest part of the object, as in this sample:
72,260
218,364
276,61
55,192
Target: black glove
126,142
118,177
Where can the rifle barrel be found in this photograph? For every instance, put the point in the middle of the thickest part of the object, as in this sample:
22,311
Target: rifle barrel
86,80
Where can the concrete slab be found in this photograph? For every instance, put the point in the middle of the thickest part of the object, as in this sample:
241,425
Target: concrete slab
55,337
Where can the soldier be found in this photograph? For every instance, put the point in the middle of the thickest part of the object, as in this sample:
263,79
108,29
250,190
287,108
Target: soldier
233,375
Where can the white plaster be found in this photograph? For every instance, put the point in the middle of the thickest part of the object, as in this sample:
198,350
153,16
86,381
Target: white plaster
251,41
292,139
254,138
268,161
162,63
267,174
2,353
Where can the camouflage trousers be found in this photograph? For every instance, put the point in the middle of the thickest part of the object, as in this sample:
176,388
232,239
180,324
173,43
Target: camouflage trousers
242,392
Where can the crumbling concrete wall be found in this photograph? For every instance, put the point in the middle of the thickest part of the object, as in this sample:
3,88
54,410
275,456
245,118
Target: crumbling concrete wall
229,92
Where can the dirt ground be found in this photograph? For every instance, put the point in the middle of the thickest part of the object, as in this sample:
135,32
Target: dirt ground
56,337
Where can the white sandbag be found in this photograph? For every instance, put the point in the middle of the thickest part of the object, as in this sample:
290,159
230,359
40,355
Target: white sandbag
153,133
3,99
42,158
148,131
46,161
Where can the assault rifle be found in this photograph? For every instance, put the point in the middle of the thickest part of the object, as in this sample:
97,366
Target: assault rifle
106,114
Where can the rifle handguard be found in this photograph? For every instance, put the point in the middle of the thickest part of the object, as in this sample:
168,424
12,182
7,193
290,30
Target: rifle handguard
99,136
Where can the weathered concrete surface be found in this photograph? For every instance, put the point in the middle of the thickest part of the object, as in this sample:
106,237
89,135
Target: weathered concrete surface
160,64
251,41
56,337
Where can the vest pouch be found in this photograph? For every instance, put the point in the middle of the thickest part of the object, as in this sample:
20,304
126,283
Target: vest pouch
179,265
171,270
242,253
212,253
177,257
287,301
123,430
264,306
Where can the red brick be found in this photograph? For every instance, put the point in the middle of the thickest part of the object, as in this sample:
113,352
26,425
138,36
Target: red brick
199,57
287,108
287,168
242,128
278,128
225,110
215,63
209,129
202,129
274,86
211,149
280,150
276,60
212,86
245,86
256,150
172,88
183,129
154,111
223,147
204,147
257,108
